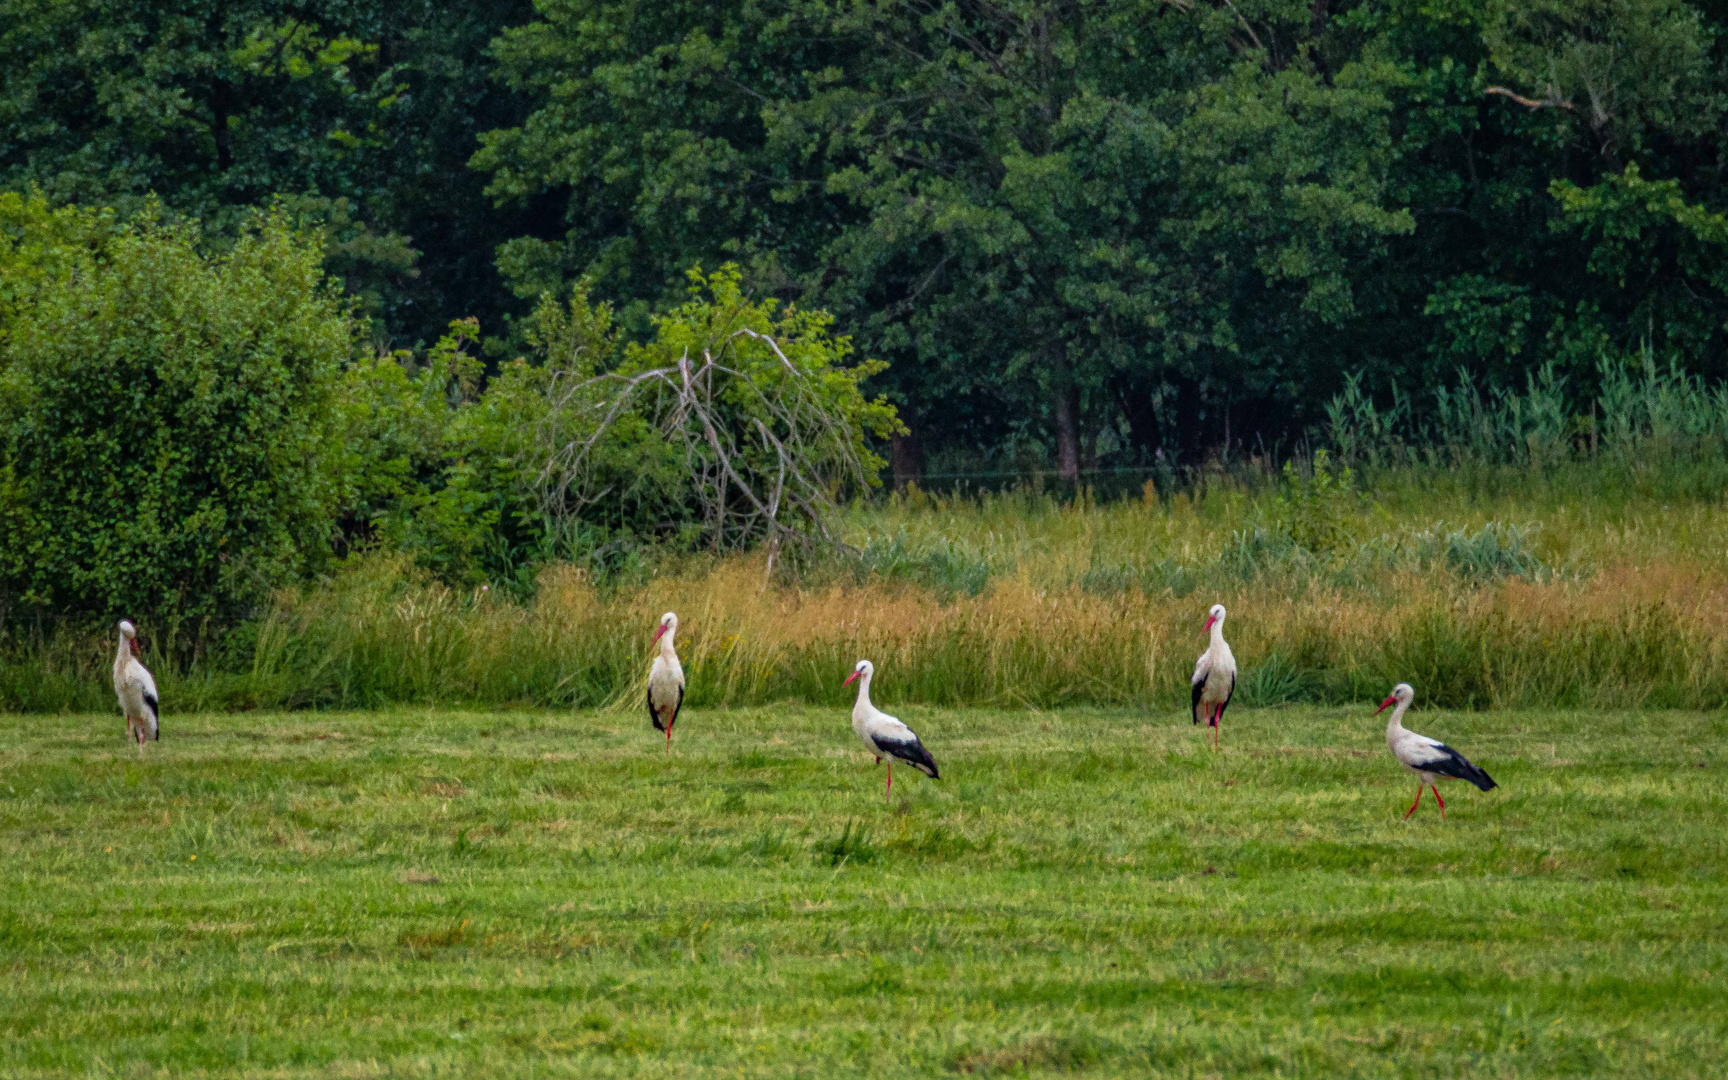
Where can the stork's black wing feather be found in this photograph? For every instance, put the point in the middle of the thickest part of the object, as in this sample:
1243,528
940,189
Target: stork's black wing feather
151,703
910,751
1458,767
1194,708
654,717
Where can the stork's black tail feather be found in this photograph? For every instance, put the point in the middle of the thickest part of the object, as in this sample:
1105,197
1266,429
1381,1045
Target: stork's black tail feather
912,753
151,703
1459,767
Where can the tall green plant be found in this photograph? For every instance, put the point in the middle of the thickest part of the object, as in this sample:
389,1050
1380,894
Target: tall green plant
1642,411
1315,505
165,414
434,466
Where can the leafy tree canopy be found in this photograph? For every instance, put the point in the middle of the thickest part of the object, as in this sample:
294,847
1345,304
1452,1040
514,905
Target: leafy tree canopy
1035,209
1079,231
165,415
361,113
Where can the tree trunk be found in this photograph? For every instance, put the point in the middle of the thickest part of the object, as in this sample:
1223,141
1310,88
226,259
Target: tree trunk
1191,426
1143,430
221,107
906,455
1067,424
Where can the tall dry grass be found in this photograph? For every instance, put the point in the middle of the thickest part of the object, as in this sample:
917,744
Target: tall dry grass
1021,601
1630,637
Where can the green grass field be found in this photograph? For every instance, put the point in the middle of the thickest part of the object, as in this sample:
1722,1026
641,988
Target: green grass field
545,894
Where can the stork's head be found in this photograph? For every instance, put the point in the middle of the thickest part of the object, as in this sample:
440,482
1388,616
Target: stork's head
1402,694
127,630
865,669
1216,615
668,624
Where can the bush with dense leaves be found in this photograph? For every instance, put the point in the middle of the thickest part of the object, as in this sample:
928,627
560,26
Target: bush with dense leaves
165,414
436,467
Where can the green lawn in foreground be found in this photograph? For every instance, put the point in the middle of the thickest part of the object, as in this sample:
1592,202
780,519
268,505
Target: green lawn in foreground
543,894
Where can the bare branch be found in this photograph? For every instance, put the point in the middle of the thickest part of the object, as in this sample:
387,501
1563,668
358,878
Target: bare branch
1531,103
765,453
1251,34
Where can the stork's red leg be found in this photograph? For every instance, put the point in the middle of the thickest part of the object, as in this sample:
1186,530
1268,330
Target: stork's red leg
1441,801
889,790
1217,714
1415,804
668,740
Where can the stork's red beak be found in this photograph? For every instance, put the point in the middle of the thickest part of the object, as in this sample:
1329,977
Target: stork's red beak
657,634
848,681
1210,619
1385,703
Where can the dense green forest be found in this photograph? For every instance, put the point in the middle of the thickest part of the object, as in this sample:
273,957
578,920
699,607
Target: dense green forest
1079,233
1065,236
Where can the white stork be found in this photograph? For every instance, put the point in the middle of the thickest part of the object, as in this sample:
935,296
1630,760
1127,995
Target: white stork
1214,680
1427,758
665,680
883,735
136,690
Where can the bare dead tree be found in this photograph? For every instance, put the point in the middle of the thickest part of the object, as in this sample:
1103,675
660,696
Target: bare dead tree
767,451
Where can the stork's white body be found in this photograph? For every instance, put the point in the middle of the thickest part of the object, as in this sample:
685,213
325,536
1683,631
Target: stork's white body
1428,758
666,681
136,690
1412,750
885,736
1214,681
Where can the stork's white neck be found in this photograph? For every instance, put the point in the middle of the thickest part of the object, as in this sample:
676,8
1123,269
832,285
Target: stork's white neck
864,691
1396,723
666,649
124,652
1217,632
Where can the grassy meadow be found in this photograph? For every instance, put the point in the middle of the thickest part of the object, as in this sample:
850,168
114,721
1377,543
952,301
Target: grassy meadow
397,827
543,893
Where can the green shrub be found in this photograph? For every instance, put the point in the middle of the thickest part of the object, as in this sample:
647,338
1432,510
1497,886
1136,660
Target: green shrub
165,414
1273,681
1495,551
599,453
1315,505
435,468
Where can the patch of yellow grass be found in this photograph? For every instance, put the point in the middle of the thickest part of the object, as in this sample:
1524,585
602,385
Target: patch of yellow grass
1626,635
